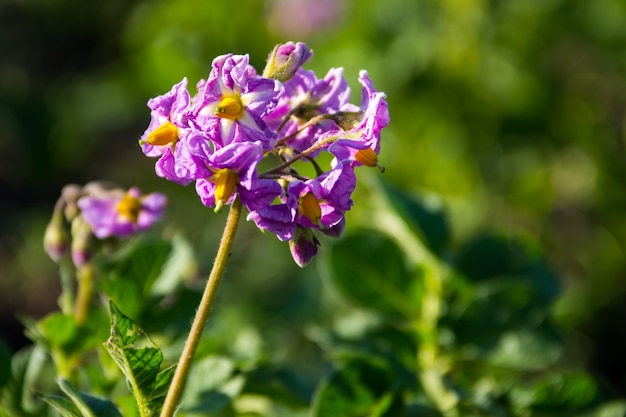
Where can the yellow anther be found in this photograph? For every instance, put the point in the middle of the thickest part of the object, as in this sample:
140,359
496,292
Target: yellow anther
163,135
368,158
129,207
309,206
225,184
230,108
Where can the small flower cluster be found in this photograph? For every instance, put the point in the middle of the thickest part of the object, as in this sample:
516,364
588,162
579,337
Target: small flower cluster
288,115
98,211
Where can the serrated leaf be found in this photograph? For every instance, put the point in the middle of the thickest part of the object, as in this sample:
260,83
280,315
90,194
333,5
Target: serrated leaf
87,405
162,381
140,360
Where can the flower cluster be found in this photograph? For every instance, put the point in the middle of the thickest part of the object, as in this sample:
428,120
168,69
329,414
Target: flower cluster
286,115
98,211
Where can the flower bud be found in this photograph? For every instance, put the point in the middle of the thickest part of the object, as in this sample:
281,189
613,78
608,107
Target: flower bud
82,242
69,195
285,60
55,239
303,246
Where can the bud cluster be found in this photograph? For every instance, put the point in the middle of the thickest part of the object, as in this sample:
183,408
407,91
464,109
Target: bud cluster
96,211
286,116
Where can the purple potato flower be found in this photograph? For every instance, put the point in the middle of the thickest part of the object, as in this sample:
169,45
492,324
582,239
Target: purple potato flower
232,169
305,97
237,119
121,215
170,137
231,104
323,201
361,142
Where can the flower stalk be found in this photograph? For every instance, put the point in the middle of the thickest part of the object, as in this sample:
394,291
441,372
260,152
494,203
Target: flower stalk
85,276
202,314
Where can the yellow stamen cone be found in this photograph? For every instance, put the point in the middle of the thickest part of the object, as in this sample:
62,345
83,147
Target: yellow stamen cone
225,185
230,108
163,135
368,158
129,207
309,206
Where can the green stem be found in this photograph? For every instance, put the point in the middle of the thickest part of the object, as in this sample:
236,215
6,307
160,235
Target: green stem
431,367
202,314
84,276
428,359
66,299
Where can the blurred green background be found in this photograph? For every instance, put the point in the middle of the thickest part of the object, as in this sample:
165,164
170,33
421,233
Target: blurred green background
509,113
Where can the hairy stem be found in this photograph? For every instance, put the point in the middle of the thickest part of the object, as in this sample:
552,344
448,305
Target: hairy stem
202,314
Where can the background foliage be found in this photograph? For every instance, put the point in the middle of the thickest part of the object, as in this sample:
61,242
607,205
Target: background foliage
505,152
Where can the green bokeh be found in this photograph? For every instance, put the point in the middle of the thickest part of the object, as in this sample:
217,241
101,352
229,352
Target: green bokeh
513,112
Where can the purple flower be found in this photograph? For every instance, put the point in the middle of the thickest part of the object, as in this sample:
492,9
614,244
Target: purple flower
218,138
232,169
361,141
121,215
170,137
279,219
286,59
305,97
323,201
232,102
318,203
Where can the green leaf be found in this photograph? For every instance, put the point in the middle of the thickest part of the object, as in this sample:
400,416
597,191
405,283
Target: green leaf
424,214
64,406
527,348
132,272
87,405
565,392
492,256
180,264
360,387
502,322
60,333
609,409
212,384
140,360
371,270
29,369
